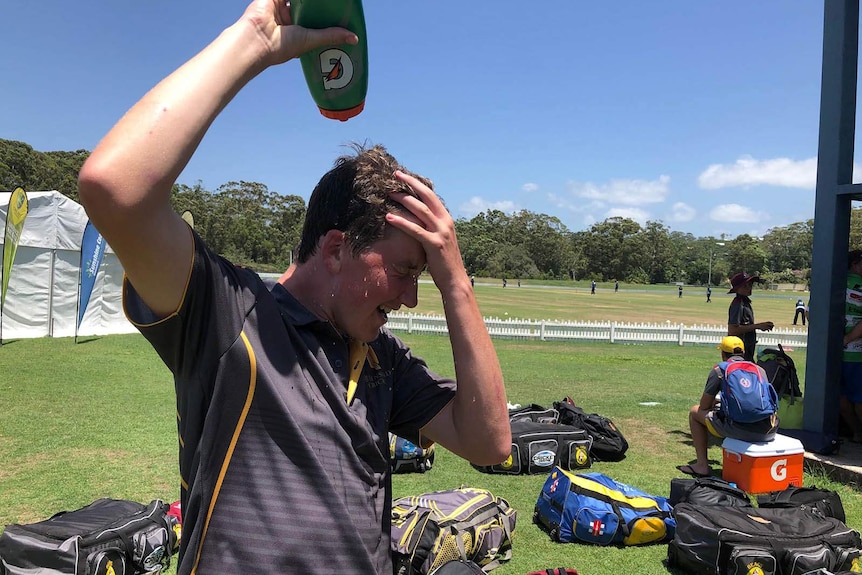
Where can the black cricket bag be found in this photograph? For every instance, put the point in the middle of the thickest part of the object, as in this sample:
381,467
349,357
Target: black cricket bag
780,371
609,444
534,412
707,491
594,508
718,540
107,537
467,524
538,447
407,457
825,501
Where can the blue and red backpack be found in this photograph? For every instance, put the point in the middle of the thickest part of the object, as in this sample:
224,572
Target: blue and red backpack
746,394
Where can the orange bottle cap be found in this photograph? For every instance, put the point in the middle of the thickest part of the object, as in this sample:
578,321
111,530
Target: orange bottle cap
343,115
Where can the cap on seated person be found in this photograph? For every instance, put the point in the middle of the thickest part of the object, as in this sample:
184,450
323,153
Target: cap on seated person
740,279
732,344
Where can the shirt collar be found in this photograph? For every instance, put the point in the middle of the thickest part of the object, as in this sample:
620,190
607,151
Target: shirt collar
293,311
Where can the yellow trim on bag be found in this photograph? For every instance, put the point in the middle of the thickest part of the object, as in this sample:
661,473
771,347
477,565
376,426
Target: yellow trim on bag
460,509
634,501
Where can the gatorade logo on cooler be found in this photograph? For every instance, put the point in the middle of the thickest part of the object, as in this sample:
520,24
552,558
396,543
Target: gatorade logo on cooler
778,471
337,69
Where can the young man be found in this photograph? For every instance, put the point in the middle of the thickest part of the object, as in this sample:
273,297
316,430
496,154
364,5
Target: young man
740,315
707,418
286,392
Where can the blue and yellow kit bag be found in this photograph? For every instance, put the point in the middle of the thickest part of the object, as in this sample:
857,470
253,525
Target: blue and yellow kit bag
594,508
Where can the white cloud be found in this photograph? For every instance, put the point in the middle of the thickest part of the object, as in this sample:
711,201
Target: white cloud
734,213
530,187
625,192
636,214
747,171
567,203
682,212
476,205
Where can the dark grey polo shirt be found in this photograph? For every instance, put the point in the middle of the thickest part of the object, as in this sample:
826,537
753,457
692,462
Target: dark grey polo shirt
279,474
740,312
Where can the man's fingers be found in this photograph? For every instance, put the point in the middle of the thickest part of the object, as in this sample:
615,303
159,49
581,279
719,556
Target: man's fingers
416,206
329,37
423,192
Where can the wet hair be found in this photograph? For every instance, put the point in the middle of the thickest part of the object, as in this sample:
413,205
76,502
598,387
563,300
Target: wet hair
353,197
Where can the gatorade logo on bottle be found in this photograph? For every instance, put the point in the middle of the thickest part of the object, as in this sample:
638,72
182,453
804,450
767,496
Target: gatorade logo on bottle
337,69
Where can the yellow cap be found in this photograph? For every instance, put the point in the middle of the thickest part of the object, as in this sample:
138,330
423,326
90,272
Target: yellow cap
731,344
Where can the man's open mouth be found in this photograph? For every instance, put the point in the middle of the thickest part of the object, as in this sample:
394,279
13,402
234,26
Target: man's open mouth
384,311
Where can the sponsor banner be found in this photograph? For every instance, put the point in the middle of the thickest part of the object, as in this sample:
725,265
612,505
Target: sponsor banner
92,250
15,215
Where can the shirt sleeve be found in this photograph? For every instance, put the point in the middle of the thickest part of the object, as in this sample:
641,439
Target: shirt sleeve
215,302
734,313
713,382
419,393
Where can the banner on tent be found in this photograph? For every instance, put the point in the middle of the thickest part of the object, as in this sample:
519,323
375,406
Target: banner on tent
15,216
92,250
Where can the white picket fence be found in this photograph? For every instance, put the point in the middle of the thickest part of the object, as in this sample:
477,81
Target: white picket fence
608,331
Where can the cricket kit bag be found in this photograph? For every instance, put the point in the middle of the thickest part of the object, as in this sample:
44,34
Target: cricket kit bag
593,508
609,444
407,457
467,524
707,491
781,373
823,500
534,412
107,537
717,540
538,447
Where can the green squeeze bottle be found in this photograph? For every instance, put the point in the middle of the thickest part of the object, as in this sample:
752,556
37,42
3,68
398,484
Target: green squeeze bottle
337,76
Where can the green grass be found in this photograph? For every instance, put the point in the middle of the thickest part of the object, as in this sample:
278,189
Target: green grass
650,304
97,419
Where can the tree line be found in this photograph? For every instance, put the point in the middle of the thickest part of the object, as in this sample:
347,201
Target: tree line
254,226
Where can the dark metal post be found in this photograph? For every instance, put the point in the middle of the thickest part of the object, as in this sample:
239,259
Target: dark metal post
832,214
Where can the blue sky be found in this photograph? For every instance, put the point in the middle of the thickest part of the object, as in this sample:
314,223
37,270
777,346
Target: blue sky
700,114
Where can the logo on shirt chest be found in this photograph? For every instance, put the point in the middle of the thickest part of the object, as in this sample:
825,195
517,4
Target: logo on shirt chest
375,378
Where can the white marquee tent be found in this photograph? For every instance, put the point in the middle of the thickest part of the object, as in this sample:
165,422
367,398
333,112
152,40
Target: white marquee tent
42,298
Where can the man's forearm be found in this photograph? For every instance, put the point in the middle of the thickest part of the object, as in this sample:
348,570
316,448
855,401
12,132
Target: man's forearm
480,380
